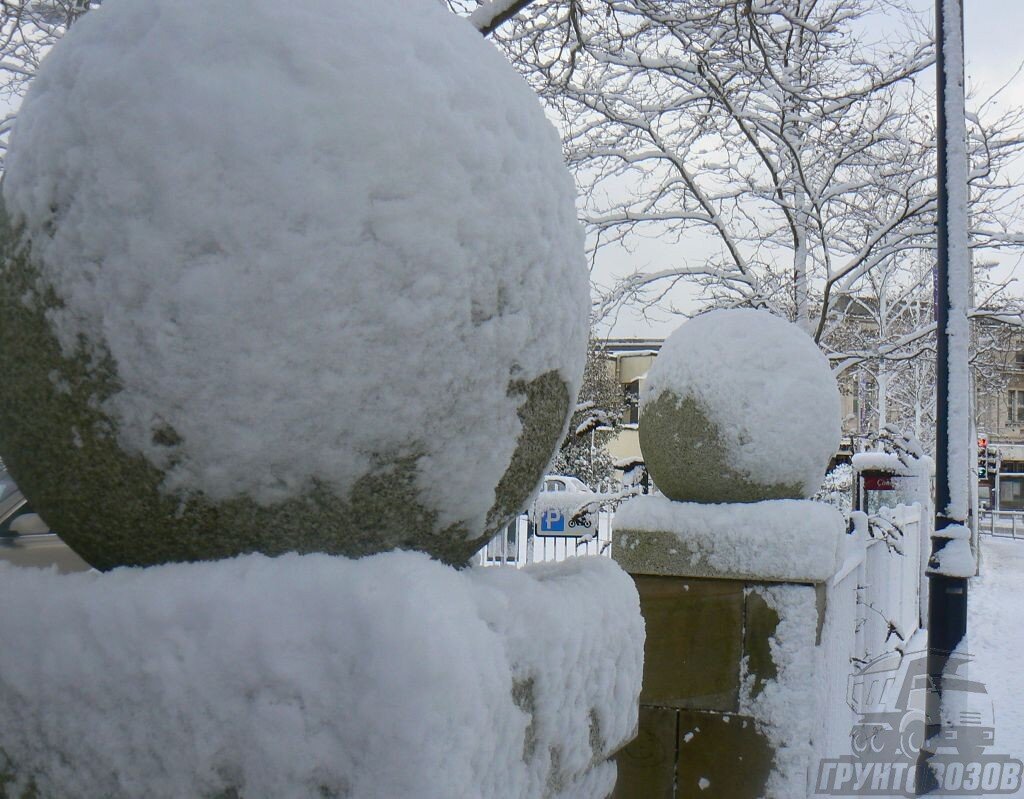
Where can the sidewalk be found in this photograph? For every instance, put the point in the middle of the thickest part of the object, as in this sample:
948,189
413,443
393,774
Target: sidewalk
996,638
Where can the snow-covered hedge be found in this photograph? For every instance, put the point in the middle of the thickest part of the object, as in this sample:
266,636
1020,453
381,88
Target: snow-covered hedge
391,676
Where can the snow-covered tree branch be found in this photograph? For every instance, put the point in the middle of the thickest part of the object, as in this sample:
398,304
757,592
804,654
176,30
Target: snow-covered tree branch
787,152
598,415
489,15
28,28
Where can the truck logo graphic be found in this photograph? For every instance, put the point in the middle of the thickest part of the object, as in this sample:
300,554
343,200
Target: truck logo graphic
891,703
887,694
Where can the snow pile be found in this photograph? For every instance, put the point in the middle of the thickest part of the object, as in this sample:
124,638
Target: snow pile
766,387
312,242
917,464
784,539
878,462
955,558
392,676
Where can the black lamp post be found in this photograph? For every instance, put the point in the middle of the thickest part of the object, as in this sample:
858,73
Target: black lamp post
947,577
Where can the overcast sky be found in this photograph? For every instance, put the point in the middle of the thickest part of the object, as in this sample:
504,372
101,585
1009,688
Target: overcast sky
994,40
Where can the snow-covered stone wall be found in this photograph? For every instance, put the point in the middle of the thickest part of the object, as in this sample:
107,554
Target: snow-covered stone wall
778,540
391,676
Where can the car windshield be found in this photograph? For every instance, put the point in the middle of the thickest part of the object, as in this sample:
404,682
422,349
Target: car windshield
11,497
7,486
10,504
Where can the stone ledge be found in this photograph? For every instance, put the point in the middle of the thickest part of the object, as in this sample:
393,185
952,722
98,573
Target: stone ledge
785,540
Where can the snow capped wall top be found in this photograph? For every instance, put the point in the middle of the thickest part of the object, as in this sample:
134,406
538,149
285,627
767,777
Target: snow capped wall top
877,461
390,676
785,540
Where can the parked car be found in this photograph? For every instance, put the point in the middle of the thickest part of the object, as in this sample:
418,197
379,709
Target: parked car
557,509
27,540
16,515
560,482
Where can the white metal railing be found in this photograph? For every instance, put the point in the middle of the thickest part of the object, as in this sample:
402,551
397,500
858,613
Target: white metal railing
520,543
873,607
873,602
1002,523
894,576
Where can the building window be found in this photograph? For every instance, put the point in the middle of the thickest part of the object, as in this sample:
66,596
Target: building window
1011,494
632,413
1015,406
1018,359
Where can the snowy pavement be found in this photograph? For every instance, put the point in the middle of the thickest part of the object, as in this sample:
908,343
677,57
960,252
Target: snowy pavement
996,638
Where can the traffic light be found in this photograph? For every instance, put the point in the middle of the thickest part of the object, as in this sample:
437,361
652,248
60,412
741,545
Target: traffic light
988,460
994,461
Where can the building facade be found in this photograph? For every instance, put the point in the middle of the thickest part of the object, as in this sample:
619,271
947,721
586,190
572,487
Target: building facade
1000,420
630,358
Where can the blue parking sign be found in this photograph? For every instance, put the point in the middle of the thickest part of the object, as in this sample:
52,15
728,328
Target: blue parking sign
552,521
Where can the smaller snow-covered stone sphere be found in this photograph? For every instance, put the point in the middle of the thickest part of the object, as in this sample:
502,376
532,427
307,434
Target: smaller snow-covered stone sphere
739,406
303,281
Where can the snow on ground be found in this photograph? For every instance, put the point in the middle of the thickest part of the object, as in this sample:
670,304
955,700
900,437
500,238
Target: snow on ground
996,638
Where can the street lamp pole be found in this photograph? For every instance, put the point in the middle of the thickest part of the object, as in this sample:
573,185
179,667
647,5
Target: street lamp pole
951,562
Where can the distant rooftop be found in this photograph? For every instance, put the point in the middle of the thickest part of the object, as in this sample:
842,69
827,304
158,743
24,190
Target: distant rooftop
633,346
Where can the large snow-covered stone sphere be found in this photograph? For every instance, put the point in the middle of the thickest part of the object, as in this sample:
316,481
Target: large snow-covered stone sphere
284,277
739,406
